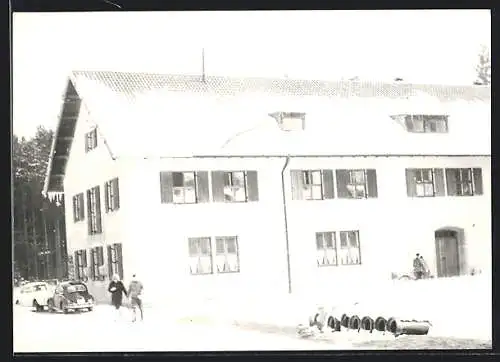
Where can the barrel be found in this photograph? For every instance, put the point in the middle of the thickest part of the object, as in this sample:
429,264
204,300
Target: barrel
408,327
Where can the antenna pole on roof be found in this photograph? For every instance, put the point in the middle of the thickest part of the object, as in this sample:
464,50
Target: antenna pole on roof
203,65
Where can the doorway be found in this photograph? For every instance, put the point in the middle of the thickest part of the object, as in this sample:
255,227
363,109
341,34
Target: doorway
447,253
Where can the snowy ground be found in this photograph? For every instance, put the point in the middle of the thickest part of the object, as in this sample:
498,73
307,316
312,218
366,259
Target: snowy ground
97,332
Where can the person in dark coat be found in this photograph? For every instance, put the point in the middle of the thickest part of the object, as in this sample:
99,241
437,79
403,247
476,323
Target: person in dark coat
117,289
417,267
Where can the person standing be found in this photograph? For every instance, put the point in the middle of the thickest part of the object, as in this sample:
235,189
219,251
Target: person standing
117,289
425,267
417,267
134,292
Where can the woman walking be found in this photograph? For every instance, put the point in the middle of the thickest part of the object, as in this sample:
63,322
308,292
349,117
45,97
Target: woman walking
117,289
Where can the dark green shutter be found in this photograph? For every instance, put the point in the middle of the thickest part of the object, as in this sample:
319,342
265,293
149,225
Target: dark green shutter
92,264
439,188
84,258
451,181
202,191
98,209
166,187
89,213
106,196
116,191
297,184
77,266
328,188
411,186
110,262
218,186
119,256
82,203
75,210
478,181
252,186
371,177
342,182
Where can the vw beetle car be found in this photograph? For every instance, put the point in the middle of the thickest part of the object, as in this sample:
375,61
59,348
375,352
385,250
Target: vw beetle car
35,294
71,295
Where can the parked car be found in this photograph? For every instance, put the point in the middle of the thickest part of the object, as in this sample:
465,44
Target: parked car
71,295
35,294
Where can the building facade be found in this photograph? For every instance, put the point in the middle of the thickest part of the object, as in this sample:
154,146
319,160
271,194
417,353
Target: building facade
228,187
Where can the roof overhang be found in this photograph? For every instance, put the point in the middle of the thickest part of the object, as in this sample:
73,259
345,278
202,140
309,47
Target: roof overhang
63,139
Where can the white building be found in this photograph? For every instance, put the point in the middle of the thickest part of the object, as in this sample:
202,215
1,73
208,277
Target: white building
233,186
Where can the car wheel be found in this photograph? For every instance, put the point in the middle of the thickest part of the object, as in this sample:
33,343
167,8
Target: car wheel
50,305
37,307
90,309
65,311
17,301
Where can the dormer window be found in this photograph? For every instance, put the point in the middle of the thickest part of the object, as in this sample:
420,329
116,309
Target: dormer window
420,123
91,140
290,121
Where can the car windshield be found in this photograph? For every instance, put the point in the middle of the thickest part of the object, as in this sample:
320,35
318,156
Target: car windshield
38,288
76,288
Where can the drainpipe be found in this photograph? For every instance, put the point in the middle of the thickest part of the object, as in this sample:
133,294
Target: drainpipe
286,224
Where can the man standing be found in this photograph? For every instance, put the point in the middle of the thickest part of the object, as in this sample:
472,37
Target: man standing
134,292
417,267
425,267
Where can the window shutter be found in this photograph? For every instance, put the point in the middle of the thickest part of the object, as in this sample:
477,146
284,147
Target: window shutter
106,196
297,184
116,190
328,188
110,262
77,266
411,186
451,181
252,186
119,257
371,176
439,189
342,181
84,258
100,256
92,262
82,209
75,209
218,186
202,192
89,212
166,187
98,209
478,181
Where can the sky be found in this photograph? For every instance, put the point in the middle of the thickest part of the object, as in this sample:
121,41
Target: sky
420,46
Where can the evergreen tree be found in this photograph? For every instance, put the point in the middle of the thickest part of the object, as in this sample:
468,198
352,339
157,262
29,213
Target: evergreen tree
484,67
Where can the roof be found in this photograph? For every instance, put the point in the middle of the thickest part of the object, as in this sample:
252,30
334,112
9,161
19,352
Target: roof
181,115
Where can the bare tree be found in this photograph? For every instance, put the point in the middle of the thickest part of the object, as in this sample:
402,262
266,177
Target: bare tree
484,67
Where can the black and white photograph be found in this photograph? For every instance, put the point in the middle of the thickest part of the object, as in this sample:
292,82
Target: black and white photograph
251,181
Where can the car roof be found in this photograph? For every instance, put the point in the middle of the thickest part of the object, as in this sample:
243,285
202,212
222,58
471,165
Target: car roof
71,282
34,284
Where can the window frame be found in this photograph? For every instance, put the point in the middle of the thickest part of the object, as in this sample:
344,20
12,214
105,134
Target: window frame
79,207
81,264
349,246
325,248
184,187
94,211
230,175
97,258
199,254
225,253
429,121
115,261
213,255
459,181
112,195
91,140
419,171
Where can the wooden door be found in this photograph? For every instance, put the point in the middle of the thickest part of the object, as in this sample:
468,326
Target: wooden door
447,258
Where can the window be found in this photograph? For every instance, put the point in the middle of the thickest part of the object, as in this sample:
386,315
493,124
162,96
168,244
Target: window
78,208
290,121
200,255
97,263
426,123
226,254
81,265
112,195
349,251
94,211
326,249
184,187
115,260
357,184
91,140
312,184
235,186
424,182
464,181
